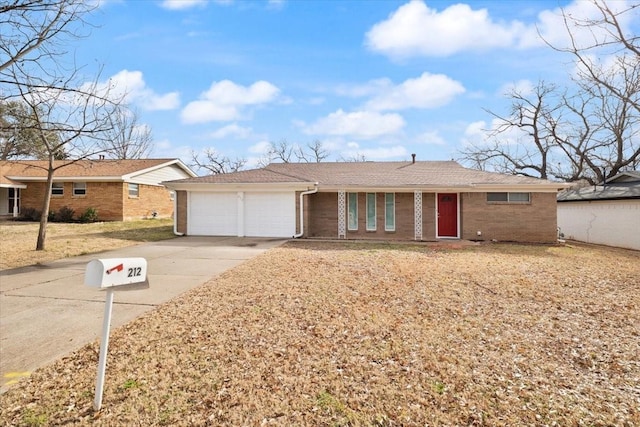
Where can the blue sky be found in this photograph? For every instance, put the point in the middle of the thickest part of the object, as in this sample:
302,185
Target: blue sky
379,79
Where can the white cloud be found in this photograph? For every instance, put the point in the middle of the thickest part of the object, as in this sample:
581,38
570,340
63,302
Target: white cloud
224,100
426,91
182,4
416,30
260,148
358,124
551,25
523,87
131,86
430,138
372,87
232,131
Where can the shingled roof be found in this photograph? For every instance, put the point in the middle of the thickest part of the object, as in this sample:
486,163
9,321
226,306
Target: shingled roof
625,185
34,170
370,175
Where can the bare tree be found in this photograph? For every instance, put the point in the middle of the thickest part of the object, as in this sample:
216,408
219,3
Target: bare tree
127,139
589,132
535,119
215,162
67,114
285,152
34,31
620,78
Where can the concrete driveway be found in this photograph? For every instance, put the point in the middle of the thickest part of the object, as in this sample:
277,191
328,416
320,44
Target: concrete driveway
46,311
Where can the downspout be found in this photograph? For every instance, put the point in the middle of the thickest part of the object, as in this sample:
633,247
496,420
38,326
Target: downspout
175,214
304,193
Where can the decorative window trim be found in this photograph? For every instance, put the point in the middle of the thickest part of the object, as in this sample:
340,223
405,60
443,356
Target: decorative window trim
503,197
134,190
371,208
57,189
352,211
389,212
79,189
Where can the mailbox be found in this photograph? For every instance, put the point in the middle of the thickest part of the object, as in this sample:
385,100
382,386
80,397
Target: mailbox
115,272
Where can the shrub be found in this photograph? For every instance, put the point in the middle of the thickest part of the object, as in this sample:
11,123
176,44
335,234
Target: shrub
29,214
90,215
64,214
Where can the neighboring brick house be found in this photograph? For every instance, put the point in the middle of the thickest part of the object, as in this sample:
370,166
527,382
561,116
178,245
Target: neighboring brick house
419,201
119,190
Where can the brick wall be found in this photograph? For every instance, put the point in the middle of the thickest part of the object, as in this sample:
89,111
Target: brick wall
150,199
181,215
323,215
110,199
105,197
529,222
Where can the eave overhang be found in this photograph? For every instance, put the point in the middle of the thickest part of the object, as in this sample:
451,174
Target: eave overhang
230,187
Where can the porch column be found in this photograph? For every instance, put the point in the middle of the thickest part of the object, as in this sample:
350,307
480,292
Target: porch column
16,198
342,225
417,214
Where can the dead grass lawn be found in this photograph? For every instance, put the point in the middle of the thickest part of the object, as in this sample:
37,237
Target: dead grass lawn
326,334
18,239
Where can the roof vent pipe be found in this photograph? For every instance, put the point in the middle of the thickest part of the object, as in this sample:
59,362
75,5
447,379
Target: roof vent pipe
413,157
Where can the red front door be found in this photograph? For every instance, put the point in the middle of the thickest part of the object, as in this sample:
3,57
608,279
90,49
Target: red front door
447,215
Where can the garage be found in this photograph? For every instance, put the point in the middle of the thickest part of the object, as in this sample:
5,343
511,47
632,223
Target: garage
252,214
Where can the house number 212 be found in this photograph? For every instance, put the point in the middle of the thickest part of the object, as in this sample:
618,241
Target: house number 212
134,272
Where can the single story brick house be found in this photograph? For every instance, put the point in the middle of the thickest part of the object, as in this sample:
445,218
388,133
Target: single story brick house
415,200
119,190
606,214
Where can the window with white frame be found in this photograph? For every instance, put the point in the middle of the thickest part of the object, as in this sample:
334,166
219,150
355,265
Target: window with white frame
389,212
371,211
352,211
505,197
57,189
79,188
134,190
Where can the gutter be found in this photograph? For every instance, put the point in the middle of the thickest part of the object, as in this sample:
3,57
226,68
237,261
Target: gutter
304,193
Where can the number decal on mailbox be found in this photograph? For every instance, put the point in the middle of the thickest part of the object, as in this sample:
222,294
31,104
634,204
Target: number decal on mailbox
134,272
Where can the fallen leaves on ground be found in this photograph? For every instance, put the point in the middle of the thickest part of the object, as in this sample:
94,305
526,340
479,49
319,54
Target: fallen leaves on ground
316,333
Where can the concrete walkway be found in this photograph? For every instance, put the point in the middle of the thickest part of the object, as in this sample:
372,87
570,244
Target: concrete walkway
46,311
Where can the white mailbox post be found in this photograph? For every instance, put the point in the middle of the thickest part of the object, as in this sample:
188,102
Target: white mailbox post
111,274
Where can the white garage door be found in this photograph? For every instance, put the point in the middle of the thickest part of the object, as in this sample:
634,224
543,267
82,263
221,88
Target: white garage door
213,214
270,214
248,214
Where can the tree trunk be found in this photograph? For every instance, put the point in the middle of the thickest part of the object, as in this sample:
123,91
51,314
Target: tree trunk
44,217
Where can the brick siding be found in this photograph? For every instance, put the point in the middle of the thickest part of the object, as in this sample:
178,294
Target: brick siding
150,199
110,199
181,215
528,222
531,222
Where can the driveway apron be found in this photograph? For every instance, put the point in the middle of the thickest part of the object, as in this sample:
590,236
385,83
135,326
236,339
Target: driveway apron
47,312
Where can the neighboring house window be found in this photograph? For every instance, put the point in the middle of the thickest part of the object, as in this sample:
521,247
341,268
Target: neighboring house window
353,211
57,189
134,190
79,188
509,197
371,211
389,212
